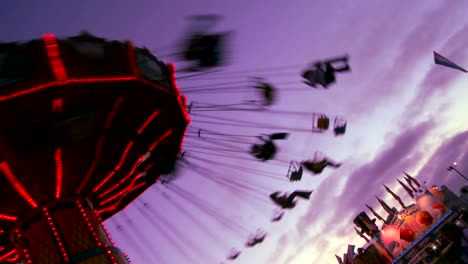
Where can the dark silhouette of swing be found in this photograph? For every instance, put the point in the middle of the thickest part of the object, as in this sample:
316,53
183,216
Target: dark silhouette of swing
287,201
321,123
316,166
256,238
206,49
339,127
323,72
277,215
319,163
233,254
266,89
267,150
295,171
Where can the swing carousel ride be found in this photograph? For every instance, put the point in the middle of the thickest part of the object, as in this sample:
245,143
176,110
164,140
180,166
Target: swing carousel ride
92,126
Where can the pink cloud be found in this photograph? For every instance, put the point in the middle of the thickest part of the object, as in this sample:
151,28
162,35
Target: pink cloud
361,186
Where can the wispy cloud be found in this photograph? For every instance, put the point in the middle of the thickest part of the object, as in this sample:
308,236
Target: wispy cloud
439,78
400,67
435,170
384,168
330,209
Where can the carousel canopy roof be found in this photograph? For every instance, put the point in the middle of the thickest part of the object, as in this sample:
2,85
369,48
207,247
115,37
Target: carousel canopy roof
83,116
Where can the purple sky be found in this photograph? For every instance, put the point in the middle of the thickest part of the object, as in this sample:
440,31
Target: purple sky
404,114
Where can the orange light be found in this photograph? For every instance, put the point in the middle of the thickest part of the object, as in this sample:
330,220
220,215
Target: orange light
147,122
16,184
132,59
7,218
122,159
56,235
57,105
54,58
9,254
84,80
97,155
94,232
58,170
113,207
127,149
153,145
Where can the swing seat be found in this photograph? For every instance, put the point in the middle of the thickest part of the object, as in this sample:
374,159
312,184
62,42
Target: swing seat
339,126
295,171
296,175
321,123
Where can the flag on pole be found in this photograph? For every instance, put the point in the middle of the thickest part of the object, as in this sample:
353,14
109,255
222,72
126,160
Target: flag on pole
441,60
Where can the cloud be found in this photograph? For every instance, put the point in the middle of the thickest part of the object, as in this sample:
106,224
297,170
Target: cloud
439,78
384,167
332,212
435,170
279,252
400,66
387,165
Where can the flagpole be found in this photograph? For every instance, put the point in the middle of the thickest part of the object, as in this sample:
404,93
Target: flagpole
452,167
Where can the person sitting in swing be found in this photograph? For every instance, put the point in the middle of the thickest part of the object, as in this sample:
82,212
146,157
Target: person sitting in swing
194,48
297,174
277,215
314,76
233,254
324,72
317,167
256,238
267,150
211,50
267,92
287,201
204,48
340,129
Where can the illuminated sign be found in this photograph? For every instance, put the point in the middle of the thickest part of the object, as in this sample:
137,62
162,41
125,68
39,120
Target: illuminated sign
417,245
